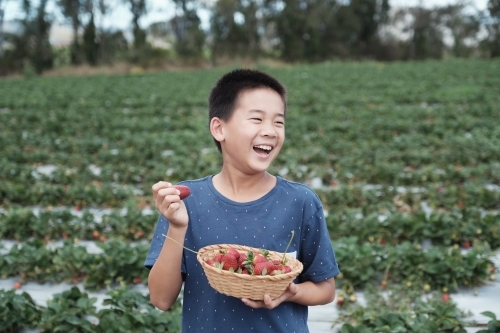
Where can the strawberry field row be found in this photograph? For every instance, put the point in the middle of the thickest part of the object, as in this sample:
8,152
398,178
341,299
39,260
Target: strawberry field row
121,263
94,193
468,194
76,164
438,267
399,309
128,310
74,311
461,226
359,164
24,224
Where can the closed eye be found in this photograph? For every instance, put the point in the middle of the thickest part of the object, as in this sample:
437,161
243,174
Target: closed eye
258,119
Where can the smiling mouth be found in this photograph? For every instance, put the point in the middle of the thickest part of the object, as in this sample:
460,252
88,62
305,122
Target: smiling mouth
263,149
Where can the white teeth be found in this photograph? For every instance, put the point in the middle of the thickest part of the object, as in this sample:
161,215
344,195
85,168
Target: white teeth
264,147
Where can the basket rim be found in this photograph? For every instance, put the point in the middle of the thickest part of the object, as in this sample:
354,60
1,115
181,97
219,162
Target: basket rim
296,270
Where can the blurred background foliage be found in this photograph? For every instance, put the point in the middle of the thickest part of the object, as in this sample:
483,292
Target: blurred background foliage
288,31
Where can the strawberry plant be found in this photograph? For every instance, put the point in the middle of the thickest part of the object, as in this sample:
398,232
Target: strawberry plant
69,311
401,310
18,311
73,263
31,261
493,325
119,263
130,311
436,266
23,224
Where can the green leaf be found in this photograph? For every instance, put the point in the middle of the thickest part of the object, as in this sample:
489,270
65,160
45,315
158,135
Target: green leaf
489,314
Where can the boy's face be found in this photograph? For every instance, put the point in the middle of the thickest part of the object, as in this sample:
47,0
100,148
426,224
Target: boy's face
254,135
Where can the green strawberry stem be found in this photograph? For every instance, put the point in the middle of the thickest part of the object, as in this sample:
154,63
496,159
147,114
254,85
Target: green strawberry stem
283,260
179,243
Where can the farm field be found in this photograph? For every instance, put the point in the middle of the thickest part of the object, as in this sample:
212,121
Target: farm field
405,157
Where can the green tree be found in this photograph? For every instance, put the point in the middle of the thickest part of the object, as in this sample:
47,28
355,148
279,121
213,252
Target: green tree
463,27
103,6
2,15
90,45
369,14
231,36
190,38
426,32
301,28
316,30
72,10
32,46
138,8
492,41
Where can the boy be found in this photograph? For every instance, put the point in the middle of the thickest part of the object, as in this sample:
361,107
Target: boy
243,204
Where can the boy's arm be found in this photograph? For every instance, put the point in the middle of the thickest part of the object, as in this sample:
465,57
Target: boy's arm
307,293
165,277
314,293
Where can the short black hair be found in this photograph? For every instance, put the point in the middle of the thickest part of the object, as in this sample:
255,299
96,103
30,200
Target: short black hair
224,95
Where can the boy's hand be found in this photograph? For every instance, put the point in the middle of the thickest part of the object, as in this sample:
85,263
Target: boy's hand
272,303
169,204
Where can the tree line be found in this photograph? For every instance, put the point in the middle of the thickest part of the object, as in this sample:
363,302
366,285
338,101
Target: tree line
286,30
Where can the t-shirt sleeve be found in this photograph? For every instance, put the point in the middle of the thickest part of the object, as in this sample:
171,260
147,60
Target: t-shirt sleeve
317,254
157,243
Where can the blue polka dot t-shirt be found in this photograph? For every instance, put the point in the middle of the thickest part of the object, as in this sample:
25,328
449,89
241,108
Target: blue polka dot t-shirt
264,223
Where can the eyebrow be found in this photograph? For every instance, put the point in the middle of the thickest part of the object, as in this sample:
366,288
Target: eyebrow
260,111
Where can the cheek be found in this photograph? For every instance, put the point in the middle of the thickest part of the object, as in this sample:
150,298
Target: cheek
282,135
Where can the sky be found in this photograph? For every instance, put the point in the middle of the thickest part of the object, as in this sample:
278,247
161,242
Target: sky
162,10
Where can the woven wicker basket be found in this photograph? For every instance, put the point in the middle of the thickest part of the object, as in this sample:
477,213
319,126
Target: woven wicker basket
242,285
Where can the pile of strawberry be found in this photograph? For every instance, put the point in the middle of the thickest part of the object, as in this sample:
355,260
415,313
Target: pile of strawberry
250,263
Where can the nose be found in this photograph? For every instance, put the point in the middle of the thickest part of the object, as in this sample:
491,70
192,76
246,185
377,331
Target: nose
268,130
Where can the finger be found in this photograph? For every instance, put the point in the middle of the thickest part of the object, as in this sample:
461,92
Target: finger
269,303
158,186
290,291
169,191
173,207
169,205
166,196
293,288
161,184
252,303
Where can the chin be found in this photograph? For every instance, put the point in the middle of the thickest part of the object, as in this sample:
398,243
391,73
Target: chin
260,169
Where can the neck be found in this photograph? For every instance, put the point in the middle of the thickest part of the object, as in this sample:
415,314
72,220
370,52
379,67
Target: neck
241,187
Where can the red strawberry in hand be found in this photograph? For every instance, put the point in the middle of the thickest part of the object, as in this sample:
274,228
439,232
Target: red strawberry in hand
185,191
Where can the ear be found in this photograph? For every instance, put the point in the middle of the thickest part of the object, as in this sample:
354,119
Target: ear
217,128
